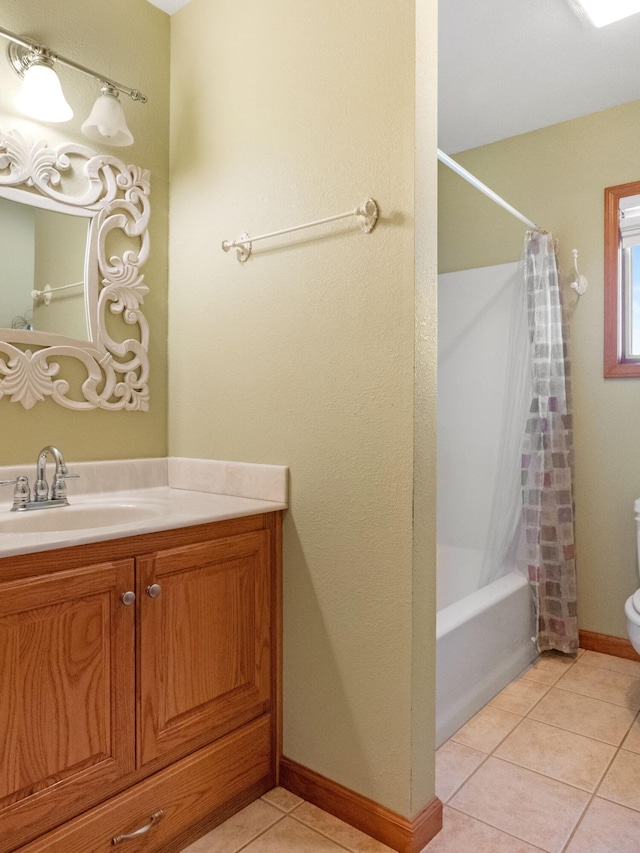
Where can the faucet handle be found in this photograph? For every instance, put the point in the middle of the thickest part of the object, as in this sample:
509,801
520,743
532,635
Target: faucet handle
21,493
59,487
9,483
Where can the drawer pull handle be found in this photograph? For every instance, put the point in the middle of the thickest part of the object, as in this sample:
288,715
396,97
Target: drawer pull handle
128,597
155,817
154,590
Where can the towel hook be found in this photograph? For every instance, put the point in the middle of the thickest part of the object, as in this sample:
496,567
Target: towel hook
581,283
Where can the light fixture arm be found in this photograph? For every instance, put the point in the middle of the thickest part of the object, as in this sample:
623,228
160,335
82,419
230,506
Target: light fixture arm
20,58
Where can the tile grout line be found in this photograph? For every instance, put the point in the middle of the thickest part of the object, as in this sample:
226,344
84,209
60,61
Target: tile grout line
616,749
610,669
577,824
320,832
632,708
262,832
595,699
580,734
468,778
543,683
491,826
594,794
587,695
615,802
487,755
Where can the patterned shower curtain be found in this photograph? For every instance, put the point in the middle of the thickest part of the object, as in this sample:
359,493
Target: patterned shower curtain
547,455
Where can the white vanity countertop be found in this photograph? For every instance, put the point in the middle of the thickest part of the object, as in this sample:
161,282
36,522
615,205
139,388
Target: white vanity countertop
216,491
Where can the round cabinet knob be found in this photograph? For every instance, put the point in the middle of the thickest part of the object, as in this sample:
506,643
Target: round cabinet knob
128,597
154,590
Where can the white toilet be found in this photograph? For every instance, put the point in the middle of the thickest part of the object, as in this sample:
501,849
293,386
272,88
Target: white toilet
632,604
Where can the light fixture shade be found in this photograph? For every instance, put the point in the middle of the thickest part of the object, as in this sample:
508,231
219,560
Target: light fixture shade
603,12
41,95
106,122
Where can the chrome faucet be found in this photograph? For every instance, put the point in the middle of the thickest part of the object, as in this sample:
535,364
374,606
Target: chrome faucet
42,499
59,487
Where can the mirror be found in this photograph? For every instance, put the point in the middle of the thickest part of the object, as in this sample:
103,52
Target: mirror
622,281
74,234
42,251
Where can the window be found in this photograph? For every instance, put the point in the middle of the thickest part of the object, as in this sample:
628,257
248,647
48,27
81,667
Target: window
622,281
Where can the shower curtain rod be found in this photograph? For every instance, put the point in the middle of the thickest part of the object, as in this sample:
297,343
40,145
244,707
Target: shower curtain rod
460,170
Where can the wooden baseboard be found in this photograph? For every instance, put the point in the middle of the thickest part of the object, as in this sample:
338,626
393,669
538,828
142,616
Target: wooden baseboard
392,829
617,646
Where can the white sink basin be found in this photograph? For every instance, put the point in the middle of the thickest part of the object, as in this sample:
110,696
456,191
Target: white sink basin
77,517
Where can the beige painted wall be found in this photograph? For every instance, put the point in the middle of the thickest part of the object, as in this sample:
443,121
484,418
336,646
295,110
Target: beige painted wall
556,177
128,39
304,356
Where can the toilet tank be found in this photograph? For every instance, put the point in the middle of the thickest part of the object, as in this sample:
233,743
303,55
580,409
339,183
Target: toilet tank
636,509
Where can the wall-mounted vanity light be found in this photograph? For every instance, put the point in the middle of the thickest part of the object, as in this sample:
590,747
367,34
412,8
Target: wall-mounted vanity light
41,96
106,119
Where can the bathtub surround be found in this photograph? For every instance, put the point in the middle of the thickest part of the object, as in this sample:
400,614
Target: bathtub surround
485,610
475,316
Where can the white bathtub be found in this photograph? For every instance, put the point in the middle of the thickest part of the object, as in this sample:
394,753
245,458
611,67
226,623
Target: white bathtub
483,637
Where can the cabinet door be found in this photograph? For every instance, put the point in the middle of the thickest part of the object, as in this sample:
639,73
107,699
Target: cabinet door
66,694
204,663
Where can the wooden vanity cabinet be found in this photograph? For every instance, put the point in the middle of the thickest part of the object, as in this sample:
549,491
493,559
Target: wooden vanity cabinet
204,663
159,713
67,700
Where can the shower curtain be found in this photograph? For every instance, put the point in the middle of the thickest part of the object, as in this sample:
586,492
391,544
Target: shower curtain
547,454
531,524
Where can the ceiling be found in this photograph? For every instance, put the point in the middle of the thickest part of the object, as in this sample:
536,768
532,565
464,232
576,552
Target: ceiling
510,66
169,6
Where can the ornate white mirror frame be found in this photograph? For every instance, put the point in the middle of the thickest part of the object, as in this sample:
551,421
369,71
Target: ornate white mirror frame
115,198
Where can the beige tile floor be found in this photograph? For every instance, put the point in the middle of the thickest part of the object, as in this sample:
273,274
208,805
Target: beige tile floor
551,764
280,822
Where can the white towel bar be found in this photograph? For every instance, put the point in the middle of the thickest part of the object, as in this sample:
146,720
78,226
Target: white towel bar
367,212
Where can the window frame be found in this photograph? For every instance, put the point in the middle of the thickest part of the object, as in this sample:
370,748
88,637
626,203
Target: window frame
617,365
